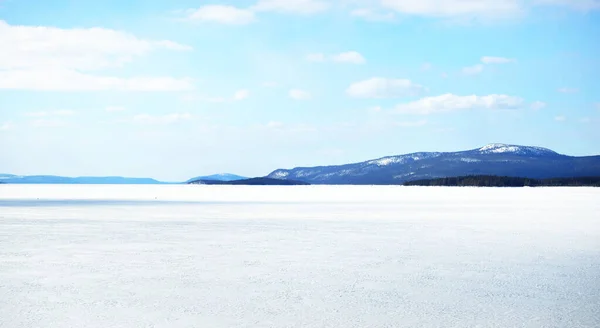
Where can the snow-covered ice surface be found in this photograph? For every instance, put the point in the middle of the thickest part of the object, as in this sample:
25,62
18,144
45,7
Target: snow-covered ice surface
302,256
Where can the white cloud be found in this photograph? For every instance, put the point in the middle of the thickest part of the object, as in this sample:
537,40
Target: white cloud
316,57
350,57
372,15
537,105
473,70
378,87
450,103
454,8
71,80
496,60
303,7
161,119
43,47
568,90
231,15
560,118
585,120
298,94
410,124
50,58
115,109
222,14
584,5
486,60
241,94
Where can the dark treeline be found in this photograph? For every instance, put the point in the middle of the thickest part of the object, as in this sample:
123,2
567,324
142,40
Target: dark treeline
498,181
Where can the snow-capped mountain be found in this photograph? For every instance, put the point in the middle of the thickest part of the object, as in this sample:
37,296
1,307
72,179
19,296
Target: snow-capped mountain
492,159
514,149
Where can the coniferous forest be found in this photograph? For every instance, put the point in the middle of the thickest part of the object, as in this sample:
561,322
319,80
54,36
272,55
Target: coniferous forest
501,181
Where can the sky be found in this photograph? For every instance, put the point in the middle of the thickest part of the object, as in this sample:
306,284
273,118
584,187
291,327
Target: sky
181,88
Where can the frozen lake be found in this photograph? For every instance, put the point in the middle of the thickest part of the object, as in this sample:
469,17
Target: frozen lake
311,256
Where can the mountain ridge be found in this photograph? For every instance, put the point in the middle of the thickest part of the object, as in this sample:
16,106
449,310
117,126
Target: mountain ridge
492,159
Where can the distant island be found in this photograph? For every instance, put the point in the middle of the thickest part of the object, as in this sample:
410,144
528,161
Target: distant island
218,177
497,181
53,179
252,182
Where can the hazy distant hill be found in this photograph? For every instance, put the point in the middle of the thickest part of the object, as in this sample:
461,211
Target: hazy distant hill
252,181
493,159
219,177
52,179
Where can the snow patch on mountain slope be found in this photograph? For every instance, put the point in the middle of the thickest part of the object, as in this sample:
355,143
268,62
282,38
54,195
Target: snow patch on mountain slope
386,161
402,159
497,148
303,173
346,172
401,176
280,175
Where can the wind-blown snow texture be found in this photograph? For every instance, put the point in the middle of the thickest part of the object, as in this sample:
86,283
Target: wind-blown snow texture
310,256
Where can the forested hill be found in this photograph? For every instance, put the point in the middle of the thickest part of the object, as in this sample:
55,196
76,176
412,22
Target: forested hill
493,159
499,181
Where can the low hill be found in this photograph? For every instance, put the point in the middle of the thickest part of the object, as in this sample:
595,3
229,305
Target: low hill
53,179
219,177
251,182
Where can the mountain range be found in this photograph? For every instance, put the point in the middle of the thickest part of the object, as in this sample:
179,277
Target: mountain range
492,159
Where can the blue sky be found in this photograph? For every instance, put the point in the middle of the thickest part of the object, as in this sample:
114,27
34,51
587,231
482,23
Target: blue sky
175,89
